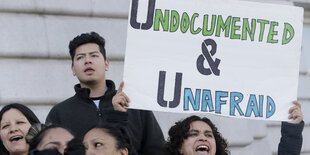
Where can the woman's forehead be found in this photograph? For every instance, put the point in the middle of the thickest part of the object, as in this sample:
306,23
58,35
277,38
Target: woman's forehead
98,133
200,125
13,113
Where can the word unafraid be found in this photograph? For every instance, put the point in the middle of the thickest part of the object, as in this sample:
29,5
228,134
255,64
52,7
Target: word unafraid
203,101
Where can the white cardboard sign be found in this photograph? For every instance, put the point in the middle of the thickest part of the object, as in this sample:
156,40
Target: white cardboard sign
231,58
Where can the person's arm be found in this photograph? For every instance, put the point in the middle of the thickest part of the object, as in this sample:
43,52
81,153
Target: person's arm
153,138
116,118
120,102
291,132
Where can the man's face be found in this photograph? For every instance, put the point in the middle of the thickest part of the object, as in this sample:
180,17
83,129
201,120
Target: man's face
89,64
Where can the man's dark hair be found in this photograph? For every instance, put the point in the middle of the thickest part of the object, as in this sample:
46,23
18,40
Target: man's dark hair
179,132
31,117
85,38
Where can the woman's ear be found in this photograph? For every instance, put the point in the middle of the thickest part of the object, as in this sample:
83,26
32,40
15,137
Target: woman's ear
180,151
124,151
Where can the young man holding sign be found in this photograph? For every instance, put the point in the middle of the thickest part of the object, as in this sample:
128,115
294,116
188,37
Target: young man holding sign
95,97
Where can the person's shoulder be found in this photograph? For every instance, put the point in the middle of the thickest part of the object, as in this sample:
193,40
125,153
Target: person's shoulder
66,103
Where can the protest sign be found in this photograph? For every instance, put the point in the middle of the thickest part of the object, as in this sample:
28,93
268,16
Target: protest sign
231,58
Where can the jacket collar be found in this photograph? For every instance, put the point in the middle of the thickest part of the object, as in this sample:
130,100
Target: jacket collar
84,92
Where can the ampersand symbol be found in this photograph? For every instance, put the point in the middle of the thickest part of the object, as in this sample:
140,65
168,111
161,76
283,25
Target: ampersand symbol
207,55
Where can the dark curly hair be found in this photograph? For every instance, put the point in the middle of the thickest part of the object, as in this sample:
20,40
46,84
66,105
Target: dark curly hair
179,132
85,38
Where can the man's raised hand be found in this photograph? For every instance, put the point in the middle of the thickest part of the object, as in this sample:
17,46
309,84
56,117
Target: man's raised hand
295,112
120,101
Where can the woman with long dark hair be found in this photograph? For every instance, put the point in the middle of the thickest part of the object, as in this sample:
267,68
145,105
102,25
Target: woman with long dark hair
15,121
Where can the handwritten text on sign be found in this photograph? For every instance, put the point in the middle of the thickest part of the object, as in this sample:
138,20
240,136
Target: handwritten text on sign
238,59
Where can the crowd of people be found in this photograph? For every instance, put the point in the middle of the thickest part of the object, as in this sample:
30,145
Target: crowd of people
96,121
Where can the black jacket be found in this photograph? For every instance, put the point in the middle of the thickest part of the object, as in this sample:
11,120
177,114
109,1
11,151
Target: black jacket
291,139
79,113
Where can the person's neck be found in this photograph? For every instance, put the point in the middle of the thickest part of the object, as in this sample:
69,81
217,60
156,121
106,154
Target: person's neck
19,153
96,90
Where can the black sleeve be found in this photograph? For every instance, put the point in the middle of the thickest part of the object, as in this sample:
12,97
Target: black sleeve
117,118
153,138
291,139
